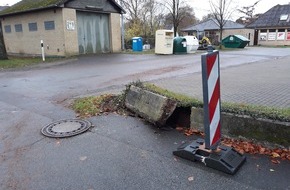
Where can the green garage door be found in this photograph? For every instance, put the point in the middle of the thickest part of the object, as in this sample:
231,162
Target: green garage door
93,33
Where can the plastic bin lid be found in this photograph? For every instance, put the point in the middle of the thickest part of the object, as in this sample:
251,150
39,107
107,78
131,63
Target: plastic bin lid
242,37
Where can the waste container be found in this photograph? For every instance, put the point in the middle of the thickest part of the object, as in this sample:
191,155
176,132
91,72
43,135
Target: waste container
137,44
235,41
191,43
179,45
164,42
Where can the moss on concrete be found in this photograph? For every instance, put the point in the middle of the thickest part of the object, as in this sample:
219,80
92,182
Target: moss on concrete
26,5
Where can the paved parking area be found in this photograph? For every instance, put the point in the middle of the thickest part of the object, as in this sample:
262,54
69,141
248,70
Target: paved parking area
124,152
265,83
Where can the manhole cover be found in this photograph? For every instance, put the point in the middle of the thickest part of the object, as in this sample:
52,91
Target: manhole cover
66,128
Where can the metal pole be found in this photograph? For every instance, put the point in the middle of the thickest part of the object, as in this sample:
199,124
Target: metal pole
42,50
123,27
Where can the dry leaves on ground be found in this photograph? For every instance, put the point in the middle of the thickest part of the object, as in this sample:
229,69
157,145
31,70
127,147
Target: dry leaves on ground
246,146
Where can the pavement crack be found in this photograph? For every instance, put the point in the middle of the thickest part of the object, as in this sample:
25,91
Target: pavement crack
23,147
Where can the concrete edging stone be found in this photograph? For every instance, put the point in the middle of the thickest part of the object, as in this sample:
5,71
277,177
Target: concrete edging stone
152,107
261,130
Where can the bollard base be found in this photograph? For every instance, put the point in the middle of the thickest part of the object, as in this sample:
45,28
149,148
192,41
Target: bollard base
224,158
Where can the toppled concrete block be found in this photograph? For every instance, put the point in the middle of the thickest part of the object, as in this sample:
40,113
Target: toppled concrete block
152,107
233,125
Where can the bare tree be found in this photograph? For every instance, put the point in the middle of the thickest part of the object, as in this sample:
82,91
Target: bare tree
154,15
174,7
249,10
222,11
3,53
249,16
188,17
143,18
206,17
133,8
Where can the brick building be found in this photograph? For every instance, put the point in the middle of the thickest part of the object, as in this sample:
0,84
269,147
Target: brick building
273,27
67,27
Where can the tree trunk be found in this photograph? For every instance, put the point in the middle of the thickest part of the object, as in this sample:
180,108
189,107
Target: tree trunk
221,37
3,53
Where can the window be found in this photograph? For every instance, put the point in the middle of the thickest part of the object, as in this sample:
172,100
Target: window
7,28
263,31
272,34
32,26
272,30
49,25
18,27
283,17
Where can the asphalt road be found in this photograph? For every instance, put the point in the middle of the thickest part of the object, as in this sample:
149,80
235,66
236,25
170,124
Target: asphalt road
119,152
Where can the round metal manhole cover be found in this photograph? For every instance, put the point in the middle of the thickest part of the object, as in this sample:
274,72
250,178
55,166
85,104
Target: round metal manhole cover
66,128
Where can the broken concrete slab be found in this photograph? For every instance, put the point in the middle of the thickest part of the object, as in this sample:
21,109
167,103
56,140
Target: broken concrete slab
262,130
151,106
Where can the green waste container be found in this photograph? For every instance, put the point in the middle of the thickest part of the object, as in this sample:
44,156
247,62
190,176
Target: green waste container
235,41
179,45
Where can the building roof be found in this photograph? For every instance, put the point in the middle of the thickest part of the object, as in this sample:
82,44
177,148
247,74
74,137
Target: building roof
34,5
272,18
212,24
31,5
3,8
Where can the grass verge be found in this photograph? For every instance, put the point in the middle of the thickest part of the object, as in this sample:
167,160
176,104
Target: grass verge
17,62
129,51
254,111
91,106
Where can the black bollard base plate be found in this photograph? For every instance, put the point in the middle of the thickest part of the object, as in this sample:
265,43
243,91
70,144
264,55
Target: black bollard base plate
224,158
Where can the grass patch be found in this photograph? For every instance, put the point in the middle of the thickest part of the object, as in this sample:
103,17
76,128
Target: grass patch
95,105
17,62
279,114
254,111
182,100
129,51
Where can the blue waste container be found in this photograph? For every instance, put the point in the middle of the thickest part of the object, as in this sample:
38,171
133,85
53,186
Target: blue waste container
137,44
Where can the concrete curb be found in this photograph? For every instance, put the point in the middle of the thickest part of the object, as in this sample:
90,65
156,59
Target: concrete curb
261,130
153,107
157,109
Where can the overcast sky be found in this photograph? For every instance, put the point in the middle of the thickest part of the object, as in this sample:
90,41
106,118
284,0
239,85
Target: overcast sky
201,7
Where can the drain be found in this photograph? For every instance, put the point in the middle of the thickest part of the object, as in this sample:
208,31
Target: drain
66,128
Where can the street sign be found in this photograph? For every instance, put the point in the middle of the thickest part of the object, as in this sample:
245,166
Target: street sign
208,150
211,98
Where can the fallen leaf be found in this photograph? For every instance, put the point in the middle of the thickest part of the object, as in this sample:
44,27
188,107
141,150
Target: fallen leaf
275,161
262,150
275,155
191,178
179,128
187,134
